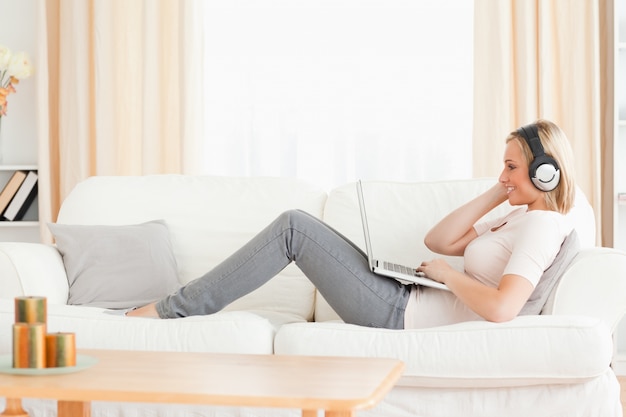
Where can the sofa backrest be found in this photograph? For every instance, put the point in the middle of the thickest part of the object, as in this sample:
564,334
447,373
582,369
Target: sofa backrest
400,214
208,218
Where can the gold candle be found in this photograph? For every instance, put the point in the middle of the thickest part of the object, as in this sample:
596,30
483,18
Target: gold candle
29,345
60,350
30,309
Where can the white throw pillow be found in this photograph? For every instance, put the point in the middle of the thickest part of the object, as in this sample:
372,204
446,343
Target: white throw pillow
117,266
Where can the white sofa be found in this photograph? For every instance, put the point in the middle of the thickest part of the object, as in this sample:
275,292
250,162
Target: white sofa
554,364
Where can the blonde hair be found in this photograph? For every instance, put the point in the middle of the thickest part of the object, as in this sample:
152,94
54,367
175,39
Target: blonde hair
556,146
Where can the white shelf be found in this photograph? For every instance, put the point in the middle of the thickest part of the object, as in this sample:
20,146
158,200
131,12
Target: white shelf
18,167
27,228
619,364
619,153
19,223
619,126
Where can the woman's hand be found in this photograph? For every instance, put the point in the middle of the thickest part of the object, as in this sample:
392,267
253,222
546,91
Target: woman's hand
437,269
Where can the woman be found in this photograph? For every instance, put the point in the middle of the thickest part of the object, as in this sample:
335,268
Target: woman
517,247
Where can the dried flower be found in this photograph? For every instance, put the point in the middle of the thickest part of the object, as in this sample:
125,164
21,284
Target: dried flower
13,68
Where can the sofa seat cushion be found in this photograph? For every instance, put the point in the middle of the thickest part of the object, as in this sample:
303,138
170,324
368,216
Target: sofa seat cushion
95,328
528,350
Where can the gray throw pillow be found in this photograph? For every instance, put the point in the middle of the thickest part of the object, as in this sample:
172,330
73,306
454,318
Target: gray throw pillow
551,276
117,266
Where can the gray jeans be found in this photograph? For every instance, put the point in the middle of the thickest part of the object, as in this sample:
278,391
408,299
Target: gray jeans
336,266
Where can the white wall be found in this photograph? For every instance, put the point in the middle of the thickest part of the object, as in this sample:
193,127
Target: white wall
18,32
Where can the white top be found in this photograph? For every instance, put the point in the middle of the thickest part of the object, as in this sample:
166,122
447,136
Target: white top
523,243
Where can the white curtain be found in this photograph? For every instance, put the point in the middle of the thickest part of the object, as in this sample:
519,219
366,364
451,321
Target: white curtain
334,90
543,59
117,92
324,90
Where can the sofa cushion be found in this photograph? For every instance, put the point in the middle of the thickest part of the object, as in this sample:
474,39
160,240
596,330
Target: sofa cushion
526,351
117,266
95,328
209,218
400,214
551,276
19,275
593,285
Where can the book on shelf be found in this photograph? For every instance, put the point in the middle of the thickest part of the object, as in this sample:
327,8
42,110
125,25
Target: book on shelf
10,188
23,198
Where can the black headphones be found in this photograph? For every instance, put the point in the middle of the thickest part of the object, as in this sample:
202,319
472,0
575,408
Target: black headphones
544,171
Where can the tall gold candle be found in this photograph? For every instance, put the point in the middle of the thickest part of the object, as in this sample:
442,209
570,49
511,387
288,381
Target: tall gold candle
30,309
29,345
60,350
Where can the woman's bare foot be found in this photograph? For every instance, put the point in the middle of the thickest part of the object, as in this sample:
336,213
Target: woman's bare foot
148,310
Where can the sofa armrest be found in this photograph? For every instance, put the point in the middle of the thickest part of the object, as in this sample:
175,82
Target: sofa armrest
32,269
593,285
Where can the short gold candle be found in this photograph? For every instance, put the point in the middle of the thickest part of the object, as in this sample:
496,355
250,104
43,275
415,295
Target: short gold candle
29,345
60,350
30,309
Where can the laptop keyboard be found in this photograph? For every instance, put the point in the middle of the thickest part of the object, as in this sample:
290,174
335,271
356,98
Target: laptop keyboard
399,268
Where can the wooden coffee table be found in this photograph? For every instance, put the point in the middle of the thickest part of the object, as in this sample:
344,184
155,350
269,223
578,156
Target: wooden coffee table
338,385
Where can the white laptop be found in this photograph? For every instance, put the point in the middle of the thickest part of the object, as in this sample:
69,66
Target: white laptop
401,273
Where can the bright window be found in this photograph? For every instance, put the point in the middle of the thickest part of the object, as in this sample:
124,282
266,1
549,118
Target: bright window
335,90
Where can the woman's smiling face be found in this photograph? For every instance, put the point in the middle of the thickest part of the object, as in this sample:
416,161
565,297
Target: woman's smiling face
515,178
